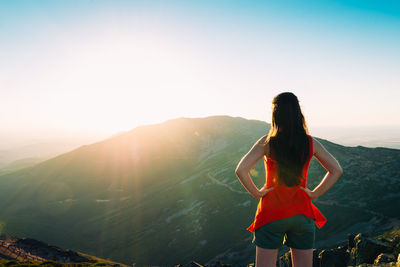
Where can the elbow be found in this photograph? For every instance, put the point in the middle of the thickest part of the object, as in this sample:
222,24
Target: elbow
339,171
238,172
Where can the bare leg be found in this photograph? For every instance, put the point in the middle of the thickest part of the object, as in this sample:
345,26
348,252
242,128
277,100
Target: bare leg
266,257
302,257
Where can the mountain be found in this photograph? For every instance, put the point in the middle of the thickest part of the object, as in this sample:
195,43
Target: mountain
167,193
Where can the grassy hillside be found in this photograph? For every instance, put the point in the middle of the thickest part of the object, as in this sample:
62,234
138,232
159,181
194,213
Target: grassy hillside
167,193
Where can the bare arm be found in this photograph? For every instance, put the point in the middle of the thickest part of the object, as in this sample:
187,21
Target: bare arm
245,165
330,164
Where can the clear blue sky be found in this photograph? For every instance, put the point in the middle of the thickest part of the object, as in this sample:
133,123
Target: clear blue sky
109,66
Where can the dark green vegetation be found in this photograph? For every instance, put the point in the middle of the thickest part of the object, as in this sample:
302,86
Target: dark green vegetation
167,194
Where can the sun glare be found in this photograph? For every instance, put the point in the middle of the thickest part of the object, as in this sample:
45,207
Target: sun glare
114,85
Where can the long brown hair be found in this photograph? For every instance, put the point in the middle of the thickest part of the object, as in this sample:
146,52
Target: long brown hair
288,140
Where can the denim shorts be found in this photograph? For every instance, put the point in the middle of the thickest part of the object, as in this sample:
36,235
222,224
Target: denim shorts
295,232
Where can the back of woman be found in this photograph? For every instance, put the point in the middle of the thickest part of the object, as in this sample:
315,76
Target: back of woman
285,214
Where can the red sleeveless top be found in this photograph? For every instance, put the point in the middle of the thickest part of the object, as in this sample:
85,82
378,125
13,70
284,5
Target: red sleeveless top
283,201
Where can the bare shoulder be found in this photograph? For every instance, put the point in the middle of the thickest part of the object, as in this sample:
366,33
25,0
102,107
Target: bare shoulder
317,146
314,143
262,141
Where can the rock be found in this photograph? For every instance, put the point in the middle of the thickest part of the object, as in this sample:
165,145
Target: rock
350,243
384,258
366,250
396,247
316,259
47,251
334,257
285,260
194,264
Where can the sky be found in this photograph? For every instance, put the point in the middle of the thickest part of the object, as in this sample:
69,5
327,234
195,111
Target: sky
109,66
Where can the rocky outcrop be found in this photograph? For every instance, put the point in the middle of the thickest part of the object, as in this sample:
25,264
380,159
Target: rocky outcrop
333,257
384,258
32,249
49,252
23,250
366,250
360,250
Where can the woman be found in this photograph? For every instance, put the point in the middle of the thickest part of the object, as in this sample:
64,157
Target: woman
285,213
